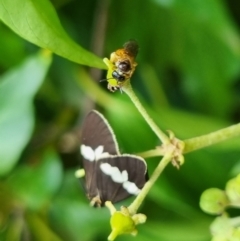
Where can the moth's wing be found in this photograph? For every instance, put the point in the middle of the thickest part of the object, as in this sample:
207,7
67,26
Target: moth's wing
114,191
96,132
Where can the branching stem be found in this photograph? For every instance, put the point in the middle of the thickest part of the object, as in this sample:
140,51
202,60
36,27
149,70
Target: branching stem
141,196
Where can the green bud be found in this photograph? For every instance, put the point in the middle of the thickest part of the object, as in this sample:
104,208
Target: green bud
213,201
122,222
233,190
221,228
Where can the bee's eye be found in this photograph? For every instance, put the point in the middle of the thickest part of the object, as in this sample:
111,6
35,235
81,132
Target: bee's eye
117,76
124,66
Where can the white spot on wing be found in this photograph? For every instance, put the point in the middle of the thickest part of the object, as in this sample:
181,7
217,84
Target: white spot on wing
98,151
120,177
131,188
93,155
114,173
88,153
106,168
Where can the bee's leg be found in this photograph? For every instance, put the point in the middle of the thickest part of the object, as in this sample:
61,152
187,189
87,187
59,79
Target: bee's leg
114,88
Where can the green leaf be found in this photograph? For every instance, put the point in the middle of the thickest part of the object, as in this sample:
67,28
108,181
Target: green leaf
12,47
37,22
34,185
17,89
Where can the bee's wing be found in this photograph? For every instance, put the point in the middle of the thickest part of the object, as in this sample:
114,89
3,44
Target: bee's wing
131,47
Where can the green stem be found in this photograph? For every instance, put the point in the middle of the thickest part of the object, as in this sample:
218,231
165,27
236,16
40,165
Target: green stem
148,185
212,138
113,235
151,153
127,88
200,141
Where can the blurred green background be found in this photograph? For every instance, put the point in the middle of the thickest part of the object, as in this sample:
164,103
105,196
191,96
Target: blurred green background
188,78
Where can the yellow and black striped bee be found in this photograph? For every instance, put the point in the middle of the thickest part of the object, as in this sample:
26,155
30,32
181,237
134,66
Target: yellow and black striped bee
121,65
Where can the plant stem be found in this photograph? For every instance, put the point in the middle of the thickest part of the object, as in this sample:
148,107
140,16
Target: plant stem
212,138
148,185
127,88
200,141
151,153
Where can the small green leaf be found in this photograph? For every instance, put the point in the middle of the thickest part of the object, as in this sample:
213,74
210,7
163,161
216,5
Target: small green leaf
37,22
17,89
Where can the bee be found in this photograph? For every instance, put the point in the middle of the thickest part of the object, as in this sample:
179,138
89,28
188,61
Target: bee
121,65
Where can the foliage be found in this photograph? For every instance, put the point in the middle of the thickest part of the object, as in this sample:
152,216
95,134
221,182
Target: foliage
187,79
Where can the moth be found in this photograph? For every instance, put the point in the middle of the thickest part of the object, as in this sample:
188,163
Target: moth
109,175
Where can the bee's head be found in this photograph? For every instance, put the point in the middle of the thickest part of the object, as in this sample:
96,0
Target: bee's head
118,76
